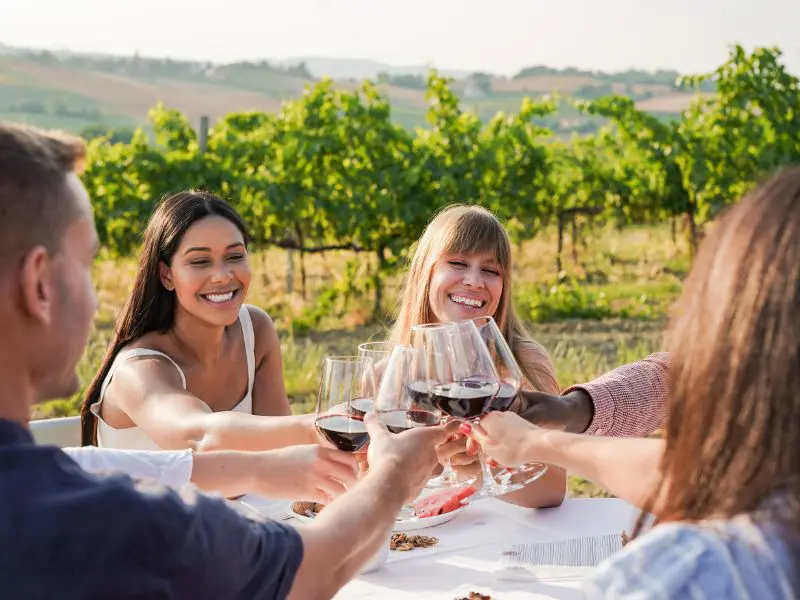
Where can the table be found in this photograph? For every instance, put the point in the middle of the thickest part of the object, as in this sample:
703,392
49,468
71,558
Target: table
471,544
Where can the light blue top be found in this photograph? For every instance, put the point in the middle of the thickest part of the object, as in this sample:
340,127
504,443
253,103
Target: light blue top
731,559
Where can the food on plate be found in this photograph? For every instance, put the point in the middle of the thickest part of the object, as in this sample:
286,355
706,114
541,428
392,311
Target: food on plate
432,505
442,501
403,542
301,507
476,596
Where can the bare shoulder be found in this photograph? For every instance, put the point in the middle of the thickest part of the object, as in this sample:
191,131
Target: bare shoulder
139,376
261,320
263,329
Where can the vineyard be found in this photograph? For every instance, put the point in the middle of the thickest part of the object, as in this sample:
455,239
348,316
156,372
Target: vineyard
331,171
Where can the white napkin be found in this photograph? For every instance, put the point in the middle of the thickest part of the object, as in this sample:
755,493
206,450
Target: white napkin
572,558
268,508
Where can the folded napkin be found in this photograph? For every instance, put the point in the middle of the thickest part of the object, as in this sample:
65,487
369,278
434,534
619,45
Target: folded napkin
257,507
572,558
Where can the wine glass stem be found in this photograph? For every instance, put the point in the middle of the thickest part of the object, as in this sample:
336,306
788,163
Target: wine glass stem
488,477
447,474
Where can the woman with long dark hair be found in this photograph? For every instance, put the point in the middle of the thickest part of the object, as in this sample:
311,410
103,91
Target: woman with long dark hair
191,365
724,483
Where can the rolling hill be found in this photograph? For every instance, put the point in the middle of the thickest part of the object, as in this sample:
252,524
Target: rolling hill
78,91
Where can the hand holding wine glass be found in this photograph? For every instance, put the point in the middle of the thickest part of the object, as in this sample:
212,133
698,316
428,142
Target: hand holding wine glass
432,343
335,417
465,385
506,438
511,379
398,405
409,456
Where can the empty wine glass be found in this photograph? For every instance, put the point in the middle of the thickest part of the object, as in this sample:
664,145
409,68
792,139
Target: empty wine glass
379,352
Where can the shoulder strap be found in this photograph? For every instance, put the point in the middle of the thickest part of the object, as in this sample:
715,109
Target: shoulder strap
122,357
249,345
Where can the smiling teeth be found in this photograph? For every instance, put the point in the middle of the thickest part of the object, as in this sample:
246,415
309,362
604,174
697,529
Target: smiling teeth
220,297
467,301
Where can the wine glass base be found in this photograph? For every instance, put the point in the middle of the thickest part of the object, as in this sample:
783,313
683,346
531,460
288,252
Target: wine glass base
492,492
453,481
523,475
406,512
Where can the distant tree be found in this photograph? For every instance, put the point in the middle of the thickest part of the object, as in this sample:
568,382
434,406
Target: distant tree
535,71
414,82
123,135
483,81
300,70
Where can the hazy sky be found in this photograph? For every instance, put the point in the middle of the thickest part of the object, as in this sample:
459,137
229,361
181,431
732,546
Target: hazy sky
495,35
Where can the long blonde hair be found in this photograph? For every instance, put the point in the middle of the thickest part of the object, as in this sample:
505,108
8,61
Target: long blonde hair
462,229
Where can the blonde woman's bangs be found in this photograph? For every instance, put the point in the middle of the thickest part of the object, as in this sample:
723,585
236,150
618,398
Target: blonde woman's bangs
476,231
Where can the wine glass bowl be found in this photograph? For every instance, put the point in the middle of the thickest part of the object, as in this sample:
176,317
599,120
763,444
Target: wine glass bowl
433,362
341,384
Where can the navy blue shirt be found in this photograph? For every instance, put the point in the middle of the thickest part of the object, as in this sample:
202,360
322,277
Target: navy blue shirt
65,534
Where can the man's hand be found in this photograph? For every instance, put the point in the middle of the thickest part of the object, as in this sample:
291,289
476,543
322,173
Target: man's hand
572,412
311,472
410,456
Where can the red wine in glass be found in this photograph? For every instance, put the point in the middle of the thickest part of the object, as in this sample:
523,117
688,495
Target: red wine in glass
398,421
464,399
347,432
361,406
418,390
505,397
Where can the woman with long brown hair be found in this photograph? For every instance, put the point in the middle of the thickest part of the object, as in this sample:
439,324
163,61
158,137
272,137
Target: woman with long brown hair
724,483
191,365
461,269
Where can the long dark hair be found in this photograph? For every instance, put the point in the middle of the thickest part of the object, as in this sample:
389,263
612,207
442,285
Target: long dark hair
733,430
151,307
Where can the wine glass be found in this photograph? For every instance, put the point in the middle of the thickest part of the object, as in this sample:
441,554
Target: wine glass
431,342
379,352
397,404
343,380
467,389
511,378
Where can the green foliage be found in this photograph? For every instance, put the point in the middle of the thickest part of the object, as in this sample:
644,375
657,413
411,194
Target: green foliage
566,299
722,144
332,170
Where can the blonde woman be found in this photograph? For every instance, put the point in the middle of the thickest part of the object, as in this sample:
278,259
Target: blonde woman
461,269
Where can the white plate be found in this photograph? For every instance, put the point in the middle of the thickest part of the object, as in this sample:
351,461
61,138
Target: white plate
416,523
411,524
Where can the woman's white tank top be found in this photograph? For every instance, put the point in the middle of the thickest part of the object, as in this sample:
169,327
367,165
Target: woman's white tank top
133,438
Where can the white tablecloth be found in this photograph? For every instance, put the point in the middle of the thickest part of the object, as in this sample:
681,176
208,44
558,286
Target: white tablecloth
470,546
